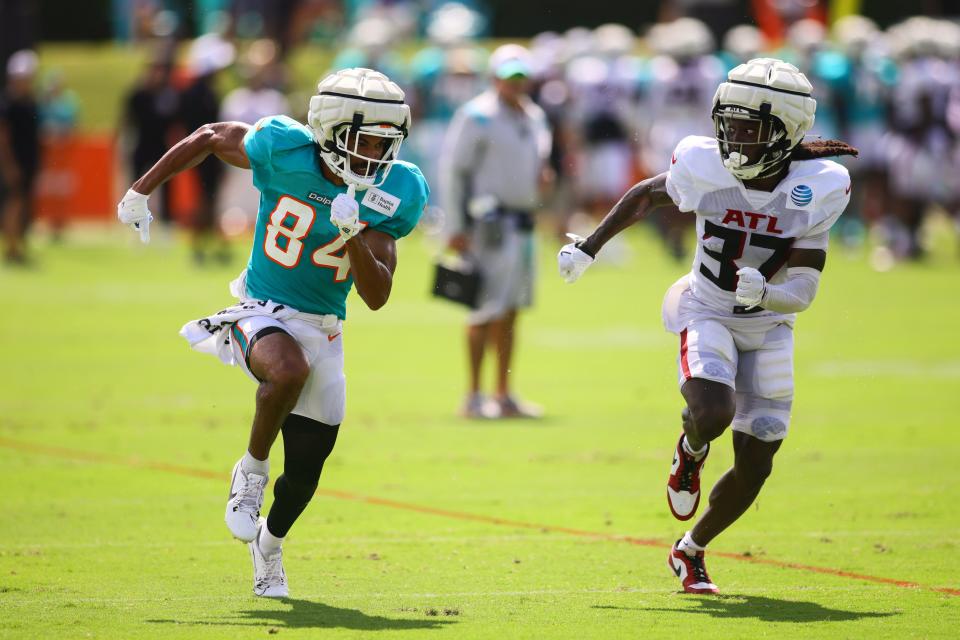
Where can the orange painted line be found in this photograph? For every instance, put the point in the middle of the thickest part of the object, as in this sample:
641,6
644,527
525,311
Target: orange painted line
476,517
138,463
835,572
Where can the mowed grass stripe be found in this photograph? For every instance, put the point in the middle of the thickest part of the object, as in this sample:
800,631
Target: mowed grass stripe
137,463
332,596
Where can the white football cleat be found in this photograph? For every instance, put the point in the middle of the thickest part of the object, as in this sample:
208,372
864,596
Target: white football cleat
269,579
243,506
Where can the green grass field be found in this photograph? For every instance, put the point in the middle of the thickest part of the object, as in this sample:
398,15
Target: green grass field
116,442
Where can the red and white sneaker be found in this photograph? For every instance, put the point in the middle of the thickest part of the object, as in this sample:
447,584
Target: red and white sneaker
691,571
683,485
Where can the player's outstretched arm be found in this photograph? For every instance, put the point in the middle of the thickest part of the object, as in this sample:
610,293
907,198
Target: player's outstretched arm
642,198
373,259
223,139
634,206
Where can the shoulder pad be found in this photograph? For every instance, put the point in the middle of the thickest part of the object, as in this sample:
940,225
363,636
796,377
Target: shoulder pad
284,132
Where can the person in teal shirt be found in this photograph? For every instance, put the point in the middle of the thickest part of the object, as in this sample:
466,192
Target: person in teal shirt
334,200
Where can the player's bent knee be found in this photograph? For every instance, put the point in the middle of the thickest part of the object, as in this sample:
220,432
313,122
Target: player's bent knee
710,421
277,358
712,407
290,375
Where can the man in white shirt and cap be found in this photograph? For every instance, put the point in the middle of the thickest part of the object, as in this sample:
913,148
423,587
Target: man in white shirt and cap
493,167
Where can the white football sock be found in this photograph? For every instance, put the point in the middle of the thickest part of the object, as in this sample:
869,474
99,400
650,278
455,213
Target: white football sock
691,451
249,464
268,543
688,546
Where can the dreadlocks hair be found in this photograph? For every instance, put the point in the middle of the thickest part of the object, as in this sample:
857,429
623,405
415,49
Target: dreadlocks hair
823,149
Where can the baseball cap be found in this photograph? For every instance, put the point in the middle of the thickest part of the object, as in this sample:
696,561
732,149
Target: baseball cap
510,61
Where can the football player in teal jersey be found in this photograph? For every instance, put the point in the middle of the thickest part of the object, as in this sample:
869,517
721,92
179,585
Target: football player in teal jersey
313,242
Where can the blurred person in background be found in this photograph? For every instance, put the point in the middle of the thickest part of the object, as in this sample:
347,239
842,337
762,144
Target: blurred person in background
764,202
59,110
259,96
922,149
19,22
829,71
312,243
719,15
200,105
872,76
603,82
677,99
551,91
19,153
444,75
741,43
149,114
370,44
286,22
494,162
261,93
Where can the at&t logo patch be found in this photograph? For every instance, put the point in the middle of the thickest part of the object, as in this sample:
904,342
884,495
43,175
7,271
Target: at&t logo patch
802,195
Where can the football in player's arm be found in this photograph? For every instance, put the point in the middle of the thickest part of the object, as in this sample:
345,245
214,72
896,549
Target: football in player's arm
313,241
764,202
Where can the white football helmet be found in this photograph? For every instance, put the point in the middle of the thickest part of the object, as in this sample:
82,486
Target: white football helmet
352,102
771,92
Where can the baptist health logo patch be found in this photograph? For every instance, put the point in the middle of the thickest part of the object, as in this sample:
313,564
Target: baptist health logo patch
802,195
381,202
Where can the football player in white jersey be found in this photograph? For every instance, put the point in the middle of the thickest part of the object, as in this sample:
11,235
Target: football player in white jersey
764,203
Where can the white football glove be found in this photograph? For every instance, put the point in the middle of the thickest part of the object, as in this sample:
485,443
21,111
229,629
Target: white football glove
134,211
572,261
750,287
345,214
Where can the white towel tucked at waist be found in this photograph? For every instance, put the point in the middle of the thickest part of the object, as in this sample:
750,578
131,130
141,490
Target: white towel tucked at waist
212,333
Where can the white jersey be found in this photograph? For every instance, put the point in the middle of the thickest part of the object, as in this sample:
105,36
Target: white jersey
738,227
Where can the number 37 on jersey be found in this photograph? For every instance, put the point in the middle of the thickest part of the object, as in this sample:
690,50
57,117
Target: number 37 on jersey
727,244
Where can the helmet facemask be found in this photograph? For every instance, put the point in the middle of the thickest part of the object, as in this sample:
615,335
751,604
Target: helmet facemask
345,158
768,149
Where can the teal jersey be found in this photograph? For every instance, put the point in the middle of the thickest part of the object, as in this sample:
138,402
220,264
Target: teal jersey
298,256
